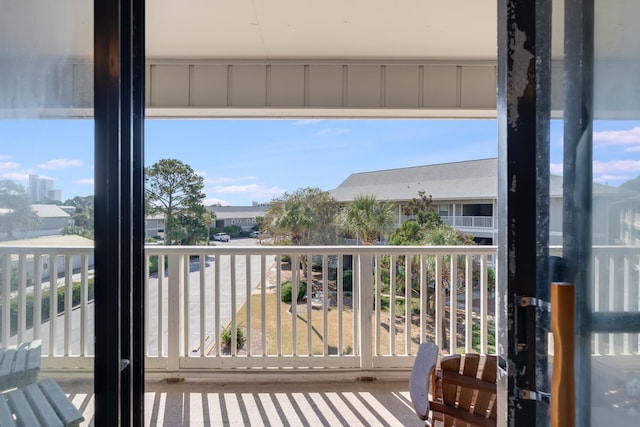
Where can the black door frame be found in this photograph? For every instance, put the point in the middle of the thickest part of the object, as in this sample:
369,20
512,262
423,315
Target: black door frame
119,64
524,114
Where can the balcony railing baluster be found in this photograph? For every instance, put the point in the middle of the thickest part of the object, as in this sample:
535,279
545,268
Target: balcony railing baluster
345,328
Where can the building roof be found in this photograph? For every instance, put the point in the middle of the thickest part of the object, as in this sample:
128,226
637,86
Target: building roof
237,212
49,211
54,241
465,180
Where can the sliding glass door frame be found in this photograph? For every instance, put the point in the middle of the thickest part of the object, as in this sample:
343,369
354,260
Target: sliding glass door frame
119,211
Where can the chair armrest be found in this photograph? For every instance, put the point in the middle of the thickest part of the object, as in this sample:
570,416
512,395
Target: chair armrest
420,375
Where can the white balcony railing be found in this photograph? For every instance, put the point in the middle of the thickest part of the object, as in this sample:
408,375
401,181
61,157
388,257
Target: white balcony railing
373,322
363,326
469,221
199,291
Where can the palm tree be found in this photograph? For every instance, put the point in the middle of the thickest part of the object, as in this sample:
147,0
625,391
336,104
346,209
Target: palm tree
367,218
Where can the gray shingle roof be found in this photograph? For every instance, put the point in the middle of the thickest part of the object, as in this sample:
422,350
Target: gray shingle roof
235,212
49,211
475,179
466,180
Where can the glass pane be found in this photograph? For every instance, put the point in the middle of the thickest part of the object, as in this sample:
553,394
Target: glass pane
616,167
46,197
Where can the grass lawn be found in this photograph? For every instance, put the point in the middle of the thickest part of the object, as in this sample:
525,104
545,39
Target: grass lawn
272,306
334,324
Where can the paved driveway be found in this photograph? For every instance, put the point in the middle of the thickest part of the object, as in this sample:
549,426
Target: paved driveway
194,296
207,295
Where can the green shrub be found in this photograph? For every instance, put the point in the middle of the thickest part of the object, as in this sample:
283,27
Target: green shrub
475,342
492,279
46,298
233,230
491,335
316,263
14,280
226,336
153,264
415,306
285,259
287,290
347,281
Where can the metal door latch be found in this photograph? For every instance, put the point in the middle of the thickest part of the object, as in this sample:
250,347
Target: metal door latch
540,396
533,302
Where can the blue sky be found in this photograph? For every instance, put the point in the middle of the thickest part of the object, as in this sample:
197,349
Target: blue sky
254,160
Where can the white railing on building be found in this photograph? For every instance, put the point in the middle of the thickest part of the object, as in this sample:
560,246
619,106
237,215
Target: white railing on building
199,291
469,221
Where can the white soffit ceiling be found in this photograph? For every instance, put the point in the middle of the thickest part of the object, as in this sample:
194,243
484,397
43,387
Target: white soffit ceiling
415,30
328,29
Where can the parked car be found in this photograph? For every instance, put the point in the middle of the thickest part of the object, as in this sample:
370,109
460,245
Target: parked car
254,234
221,237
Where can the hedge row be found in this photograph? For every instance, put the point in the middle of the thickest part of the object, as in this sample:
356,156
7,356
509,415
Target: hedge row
46,298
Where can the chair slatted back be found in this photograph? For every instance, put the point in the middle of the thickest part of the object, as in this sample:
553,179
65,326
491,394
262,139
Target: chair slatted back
466,400
461,392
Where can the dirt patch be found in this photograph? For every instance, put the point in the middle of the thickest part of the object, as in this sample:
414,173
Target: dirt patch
399,322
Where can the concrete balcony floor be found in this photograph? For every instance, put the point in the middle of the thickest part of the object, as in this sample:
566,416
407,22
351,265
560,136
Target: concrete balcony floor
206,403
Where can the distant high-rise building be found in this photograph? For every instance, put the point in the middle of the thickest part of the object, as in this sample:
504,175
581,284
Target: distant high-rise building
34,187
54,195
41,189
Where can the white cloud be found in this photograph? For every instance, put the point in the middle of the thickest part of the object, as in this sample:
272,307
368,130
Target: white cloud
215,201
612,172
556,168
60,164
201,173
9,165
16,176
85,181
604,179
306,122
4,157
254,191
630,137
332,132
231,189
613,166
225,180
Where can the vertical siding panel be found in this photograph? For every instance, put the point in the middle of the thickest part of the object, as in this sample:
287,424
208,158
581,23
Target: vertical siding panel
478,87
325,85
402,86
440,86
249,86
363,86
170,86
287,85
209,86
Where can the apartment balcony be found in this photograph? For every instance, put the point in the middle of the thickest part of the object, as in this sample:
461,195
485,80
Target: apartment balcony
480,222
343,349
